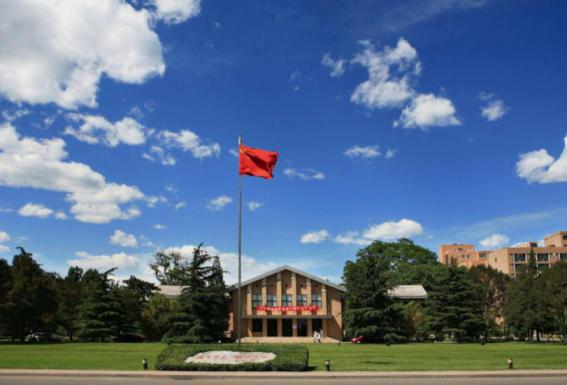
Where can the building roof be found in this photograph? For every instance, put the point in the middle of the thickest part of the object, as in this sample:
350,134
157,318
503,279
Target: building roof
170,290
408,292
294,270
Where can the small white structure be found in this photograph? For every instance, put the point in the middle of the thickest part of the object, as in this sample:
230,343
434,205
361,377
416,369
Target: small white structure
408,292
227,357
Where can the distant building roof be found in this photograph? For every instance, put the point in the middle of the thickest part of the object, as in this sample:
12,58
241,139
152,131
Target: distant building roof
170,291
408,292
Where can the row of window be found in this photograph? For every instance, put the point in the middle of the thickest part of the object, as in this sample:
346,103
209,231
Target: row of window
287,300
287,326
521,267
541,257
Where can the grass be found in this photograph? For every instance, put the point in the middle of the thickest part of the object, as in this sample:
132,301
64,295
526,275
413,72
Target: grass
111,356
128,356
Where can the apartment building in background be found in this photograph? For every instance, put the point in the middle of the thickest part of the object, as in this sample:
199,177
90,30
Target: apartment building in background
509,260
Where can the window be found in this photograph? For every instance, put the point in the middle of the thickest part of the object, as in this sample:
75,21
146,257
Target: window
316,300
563,256
272,300
256,300
257,326
565,237
286,300
519,268
301,300
519,257
301,327
543,257
543,266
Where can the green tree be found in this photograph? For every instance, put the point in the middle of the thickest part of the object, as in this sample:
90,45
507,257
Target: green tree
156,315
70,295
202,315
370,312
527,306
492,284
31,300
133,296
101,314
552,285
5,286
170,268
454,306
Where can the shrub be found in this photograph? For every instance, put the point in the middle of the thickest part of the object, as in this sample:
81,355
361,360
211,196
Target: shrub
288,357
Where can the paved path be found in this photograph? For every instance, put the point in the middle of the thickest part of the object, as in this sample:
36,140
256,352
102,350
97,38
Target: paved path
23,380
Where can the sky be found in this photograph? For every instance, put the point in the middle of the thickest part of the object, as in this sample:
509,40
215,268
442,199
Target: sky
439,121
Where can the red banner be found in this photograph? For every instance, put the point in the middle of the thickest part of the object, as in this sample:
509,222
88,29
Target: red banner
288,308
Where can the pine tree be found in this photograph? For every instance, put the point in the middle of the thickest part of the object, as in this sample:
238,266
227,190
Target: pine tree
70,295
454,306
202,312
369,310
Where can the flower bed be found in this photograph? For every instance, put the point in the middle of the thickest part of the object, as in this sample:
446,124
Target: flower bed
183,357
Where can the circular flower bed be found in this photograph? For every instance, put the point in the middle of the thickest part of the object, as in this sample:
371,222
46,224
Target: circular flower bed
227,357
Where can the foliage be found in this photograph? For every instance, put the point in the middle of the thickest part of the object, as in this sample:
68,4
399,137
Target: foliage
288,357
30,301
203,304
454,306
69,296
169,268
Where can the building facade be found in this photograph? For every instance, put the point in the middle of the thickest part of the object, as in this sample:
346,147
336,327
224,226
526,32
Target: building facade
509,260
286,303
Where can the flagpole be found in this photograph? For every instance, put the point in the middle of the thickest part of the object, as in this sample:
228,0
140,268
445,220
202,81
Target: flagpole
238,302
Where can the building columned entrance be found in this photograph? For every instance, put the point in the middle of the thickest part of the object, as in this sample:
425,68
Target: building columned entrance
272,327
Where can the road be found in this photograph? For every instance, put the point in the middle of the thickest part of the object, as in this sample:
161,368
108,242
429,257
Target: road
21,380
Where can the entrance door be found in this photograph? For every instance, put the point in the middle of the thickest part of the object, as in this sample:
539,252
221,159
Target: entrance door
301,327
287,327
317,325
272,327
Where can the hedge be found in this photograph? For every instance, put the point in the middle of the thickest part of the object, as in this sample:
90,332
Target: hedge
288,357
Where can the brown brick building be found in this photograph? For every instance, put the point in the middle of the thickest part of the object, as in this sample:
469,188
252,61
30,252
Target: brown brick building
288,303
509,260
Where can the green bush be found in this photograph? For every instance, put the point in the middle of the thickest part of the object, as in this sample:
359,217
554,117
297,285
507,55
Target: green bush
288,357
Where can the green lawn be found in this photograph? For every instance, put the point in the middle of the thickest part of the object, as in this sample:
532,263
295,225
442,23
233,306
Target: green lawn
128,356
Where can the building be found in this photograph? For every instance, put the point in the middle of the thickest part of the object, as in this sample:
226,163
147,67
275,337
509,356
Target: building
509,260
287,305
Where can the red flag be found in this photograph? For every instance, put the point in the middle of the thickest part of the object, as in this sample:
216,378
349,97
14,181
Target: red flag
255,162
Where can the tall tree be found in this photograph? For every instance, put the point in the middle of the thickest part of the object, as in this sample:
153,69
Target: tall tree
492,284
31,300
454,307
170,268
202,315
5,285
369,310
101,315
70,295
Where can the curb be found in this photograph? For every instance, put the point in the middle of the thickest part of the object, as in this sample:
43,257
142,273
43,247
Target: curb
267,375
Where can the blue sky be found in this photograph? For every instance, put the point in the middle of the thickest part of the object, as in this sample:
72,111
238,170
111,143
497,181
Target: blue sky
442,121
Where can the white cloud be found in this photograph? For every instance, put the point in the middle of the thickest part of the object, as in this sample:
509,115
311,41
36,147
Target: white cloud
123,239
392,230
315,236
229,262
153,200
404,228
492,108
390,74
35,210
365,152
540,167
305,174
218,203
494,241
180,205
96,129
351,237
41,164
428,110
4,236
187,140
254,205
390,153
105,262
4,248
60,215
176,11
157,153
57,51
159,226
337,67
